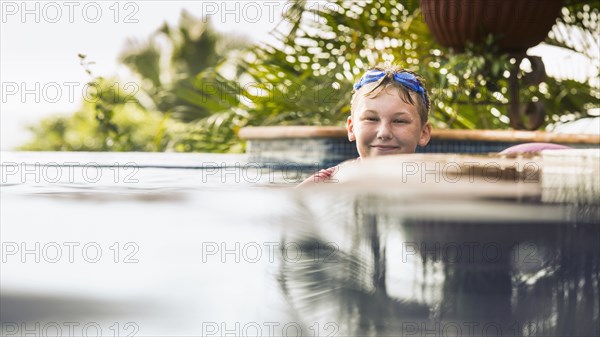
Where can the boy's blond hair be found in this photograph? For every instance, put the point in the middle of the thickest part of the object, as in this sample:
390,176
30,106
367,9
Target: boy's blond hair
375,88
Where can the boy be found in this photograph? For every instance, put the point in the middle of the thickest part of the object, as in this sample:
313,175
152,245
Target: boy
388,115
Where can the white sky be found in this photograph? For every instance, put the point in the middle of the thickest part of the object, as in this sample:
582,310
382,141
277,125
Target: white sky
40,40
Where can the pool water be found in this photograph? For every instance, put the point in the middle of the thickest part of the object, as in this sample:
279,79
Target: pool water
212,245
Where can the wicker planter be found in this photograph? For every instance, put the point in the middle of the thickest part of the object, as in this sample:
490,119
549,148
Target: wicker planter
517,24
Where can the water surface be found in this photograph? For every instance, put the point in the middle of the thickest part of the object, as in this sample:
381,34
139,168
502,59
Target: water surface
211,245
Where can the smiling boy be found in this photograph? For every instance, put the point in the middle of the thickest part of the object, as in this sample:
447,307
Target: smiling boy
389,115
389,112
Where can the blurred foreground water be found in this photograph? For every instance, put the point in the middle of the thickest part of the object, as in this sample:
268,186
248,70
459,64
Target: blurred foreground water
211,245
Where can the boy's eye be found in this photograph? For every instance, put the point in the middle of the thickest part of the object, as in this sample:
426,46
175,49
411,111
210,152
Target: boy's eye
372,119
400,121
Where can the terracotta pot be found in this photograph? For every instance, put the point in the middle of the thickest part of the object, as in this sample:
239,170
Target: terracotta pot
517,24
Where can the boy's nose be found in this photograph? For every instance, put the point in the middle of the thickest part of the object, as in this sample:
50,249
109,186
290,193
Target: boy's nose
383,131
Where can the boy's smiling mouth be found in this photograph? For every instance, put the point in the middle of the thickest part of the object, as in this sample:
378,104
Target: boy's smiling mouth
385,147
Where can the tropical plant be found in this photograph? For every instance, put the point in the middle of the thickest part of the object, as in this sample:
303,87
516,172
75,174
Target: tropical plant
325,48
179,80
167,107
110,120
305,78
578,30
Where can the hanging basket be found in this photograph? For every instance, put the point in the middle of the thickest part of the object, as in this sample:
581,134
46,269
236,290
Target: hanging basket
516,24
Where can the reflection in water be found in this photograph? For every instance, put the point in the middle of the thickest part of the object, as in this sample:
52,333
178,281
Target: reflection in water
376,271
440,259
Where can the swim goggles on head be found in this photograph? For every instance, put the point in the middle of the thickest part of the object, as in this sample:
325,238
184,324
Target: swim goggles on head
406,79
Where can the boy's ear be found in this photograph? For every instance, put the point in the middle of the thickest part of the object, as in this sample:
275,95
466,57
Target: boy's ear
350,125
425,134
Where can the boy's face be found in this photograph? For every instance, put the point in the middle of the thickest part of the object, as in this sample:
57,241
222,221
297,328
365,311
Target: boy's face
385,124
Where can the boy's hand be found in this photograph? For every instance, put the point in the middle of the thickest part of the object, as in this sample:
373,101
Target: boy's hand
324,174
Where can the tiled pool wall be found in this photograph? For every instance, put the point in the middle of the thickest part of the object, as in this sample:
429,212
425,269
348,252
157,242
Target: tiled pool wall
306,152
326,152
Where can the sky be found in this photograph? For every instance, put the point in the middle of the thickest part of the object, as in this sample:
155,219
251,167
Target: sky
40,71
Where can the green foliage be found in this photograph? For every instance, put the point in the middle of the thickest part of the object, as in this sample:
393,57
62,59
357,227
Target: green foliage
108,121
201,87
167,109
326,48
577,28
170,63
